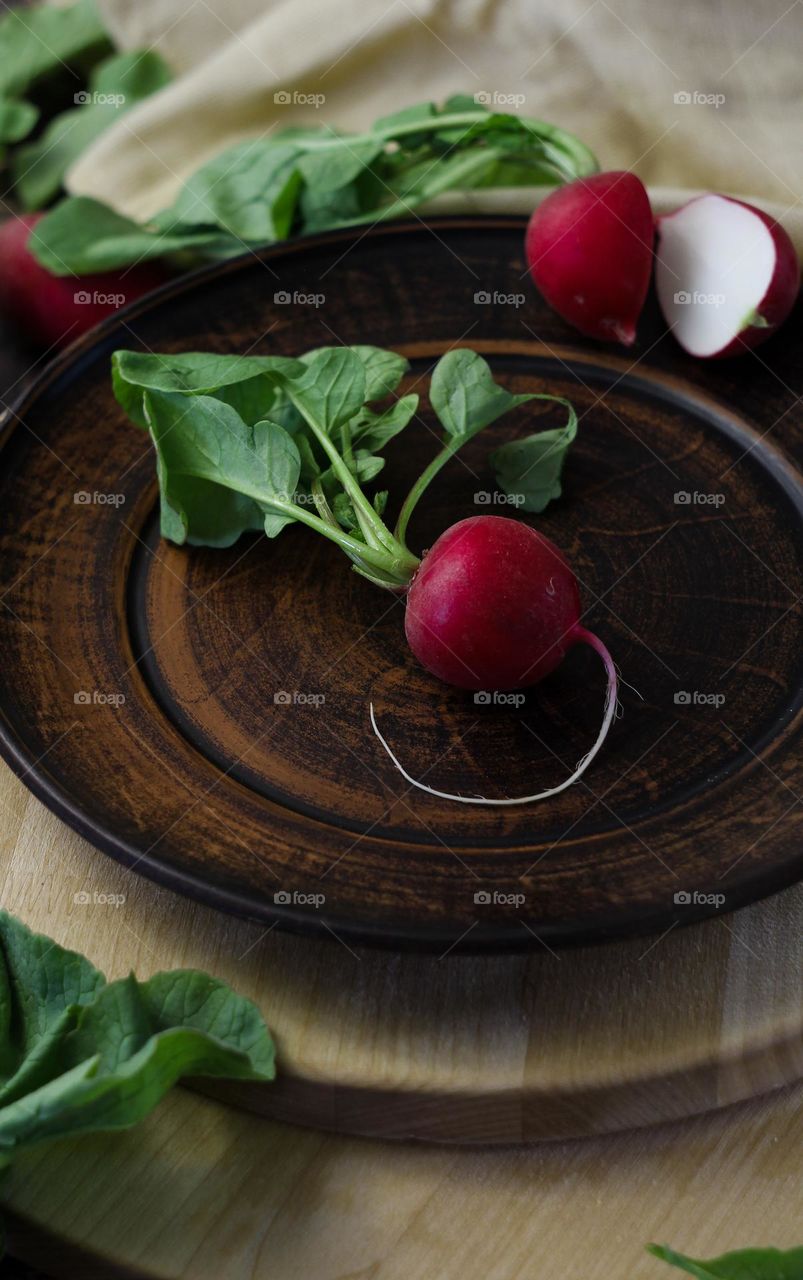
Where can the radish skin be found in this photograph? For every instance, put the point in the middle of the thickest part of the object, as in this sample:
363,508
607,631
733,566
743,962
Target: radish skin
589,250
54,310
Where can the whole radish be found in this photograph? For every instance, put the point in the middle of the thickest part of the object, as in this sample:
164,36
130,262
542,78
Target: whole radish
726,274
53,310
495,605
589,250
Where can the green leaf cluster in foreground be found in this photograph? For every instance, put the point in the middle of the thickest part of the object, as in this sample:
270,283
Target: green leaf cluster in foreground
303,180
245,443
78,1054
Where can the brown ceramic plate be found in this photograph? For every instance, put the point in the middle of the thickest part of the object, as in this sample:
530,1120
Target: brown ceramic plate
203,715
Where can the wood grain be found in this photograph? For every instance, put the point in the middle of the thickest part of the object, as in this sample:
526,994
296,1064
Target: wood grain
222,774
491,1049
202,1192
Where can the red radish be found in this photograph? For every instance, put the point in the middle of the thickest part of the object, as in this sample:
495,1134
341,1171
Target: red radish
726,274
494,605
589,250
53,310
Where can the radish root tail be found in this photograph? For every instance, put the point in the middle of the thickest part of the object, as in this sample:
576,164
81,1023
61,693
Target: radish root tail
611,704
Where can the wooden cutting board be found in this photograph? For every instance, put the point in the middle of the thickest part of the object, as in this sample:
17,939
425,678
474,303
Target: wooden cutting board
202,1192
459,1048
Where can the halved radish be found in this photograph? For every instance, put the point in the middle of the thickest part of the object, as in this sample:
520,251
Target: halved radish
726,275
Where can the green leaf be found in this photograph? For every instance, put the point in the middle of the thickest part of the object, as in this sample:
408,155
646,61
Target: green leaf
247,383
216,473
460,102
80,235
194,372
310,468
383,370
320,210
368,465
17,118
530,469
126,1054
745,1264
45,40
243,443
279,454
249,191
464,395
332,388
233,433
80,1055
254,442
115,86
374,430
419,113
337,165
461,171
466,399
40,986
344,513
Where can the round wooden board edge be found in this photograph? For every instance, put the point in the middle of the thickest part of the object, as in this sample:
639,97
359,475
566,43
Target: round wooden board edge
518,1116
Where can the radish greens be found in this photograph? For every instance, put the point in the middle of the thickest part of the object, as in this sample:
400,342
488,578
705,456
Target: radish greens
304,180
245,443
744,1264
79,1055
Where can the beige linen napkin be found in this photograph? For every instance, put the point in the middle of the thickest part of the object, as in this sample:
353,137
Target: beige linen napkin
695,94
